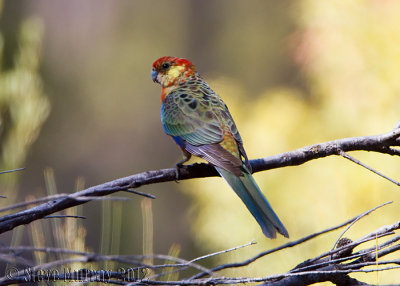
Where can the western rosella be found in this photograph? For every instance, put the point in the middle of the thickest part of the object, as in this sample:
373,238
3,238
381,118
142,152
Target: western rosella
200,123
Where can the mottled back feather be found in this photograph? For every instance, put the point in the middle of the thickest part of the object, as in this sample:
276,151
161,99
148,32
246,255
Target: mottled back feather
196,114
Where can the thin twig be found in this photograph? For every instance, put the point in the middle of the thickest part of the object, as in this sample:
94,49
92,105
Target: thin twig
323,271
88,198
199,258
357,219
10,171
354,160
287,245
127,259
311,264
65,216
223,251
139,193
351,245
34,202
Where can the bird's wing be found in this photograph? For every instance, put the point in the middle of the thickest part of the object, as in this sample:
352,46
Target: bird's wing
186,114
197,118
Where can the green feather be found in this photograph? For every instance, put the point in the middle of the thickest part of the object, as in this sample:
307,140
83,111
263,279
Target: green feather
198,117
246,188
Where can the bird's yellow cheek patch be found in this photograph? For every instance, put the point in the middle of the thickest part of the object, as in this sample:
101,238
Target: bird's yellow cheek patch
175,72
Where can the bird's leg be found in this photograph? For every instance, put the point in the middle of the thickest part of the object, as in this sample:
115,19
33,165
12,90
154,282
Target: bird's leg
187,156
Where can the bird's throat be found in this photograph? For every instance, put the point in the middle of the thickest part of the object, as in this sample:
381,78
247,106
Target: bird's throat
167,90
164,93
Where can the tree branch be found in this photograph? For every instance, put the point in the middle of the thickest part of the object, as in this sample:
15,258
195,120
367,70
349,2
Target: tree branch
383,143
333,265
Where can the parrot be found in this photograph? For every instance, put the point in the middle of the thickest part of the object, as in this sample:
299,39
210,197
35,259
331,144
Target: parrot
200,123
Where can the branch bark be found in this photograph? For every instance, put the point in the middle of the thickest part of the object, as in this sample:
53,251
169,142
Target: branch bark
386,143
333,265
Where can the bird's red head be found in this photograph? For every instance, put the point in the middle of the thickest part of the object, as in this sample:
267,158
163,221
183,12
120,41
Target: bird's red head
168,71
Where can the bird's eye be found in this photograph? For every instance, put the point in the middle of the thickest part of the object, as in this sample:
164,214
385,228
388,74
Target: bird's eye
166,65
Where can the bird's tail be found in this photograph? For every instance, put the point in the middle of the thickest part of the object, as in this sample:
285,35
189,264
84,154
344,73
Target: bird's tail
247,189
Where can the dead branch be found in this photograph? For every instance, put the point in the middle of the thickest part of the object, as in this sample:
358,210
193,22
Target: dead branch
333,265
385,143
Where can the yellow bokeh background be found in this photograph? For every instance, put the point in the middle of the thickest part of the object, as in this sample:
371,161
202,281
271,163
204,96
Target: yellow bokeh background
351,60
76,96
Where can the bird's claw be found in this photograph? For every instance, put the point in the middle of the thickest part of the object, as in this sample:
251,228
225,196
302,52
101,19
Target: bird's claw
180,164
177,173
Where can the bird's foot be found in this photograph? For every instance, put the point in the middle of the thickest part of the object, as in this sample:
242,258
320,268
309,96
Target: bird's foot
180,164
177,173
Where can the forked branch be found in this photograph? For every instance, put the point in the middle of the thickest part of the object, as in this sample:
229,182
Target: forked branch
333,265
387,143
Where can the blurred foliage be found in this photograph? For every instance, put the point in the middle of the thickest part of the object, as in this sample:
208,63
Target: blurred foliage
349,54
294,73
23,104
67,233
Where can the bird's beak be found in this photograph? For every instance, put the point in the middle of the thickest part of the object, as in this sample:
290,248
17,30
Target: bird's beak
154,75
